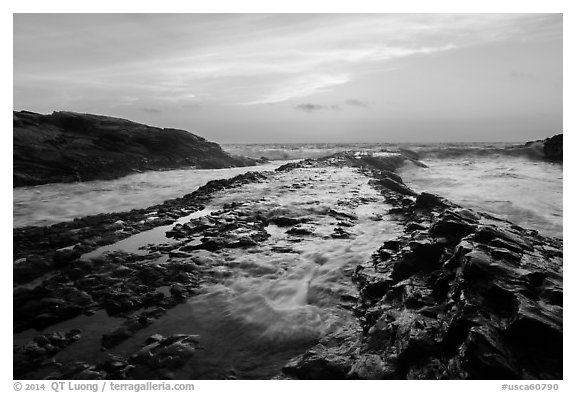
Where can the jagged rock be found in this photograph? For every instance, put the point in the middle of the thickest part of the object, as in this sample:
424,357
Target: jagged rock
426,200
301,230
319,363
452,226
414,226
32,267
389,174
342,214
501,237
340,233
151,274
40,307
395,186
127,330
166,352
473,312
423,255
41,349
372,366
63,257
119,302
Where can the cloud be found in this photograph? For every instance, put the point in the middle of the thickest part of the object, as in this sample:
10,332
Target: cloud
523,76
152,111
301,87
311,108
236,58
358,103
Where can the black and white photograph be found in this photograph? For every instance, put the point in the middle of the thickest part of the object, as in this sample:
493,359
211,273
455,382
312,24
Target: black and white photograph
287,196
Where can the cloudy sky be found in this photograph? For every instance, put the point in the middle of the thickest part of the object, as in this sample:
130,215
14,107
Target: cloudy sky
300,77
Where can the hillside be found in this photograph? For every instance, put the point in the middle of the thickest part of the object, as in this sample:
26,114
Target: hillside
69,147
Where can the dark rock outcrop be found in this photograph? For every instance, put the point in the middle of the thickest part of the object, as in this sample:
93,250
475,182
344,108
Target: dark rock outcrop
69,147
231,227
461,295
553,149
382,166
41,349
157,359
164,353
550,149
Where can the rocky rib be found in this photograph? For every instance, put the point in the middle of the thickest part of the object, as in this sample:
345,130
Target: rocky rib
461,295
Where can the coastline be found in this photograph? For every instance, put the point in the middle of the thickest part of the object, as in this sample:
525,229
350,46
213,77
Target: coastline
413,280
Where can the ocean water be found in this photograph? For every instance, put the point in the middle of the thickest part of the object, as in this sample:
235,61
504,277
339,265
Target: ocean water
518,189
507,180
49,204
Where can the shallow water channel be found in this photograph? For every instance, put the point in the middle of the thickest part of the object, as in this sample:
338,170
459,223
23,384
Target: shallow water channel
271,301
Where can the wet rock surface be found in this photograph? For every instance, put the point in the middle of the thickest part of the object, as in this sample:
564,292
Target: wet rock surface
37,250
41,349
455,294
461,295
158,357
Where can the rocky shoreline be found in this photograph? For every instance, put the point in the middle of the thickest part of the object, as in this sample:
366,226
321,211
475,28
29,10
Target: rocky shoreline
458,295
66,147
461,295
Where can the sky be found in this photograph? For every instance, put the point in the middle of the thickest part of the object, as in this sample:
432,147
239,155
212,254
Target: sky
245,78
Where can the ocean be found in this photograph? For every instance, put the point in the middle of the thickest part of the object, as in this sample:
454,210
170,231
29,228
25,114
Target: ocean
507,180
